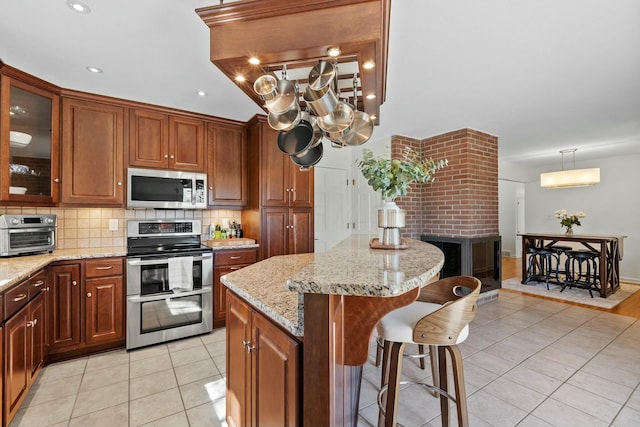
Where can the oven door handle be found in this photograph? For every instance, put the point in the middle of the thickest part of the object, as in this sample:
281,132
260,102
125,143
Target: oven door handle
169,296
155,261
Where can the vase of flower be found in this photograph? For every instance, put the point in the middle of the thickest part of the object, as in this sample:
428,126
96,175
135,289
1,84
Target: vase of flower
569,220
392,178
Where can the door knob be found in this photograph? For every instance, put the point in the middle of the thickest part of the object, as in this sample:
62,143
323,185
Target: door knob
88,294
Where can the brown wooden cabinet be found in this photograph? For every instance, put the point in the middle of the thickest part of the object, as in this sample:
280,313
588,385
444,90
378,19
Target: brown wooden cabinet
289,231
24,353
92,153
86,301
104,301
227,261
263,369
279,211
161,141
227,165
64,303
29,108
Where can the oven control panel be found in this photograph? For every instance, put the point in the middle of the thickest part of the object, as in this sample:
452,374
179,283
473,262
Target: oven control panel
163,228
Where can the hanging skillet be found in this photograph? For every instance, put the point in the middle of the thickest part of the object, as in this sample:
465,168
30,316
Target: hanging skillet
298,139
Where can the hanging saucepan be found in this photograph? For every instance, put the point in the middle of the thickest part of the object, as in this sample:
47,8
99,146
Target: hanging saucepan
286,120
322,101
322,75
298,139
286,95
337,124
308,158
362,127
265,86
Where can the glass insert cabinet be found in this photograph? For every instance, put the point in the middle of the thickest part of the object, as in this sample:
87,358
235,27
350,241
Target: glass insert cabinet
29,140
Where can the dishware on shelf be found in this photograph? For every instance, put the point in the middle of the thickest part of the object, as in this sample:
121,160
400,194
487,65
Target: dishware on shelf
19,139
21,169
17,190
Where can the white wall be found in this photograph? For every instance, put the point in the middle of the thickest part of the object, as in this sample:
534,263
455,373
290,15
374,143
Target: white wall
612,207
508,193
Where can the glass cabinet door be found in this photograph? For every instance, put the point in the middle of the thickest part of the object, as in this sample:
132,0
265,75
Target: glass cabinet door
33,143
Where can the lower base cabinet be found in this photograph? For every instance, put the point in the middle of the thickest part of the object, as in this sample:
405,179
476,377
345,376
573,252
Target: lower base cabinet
24,354
224,262
86,307
263,369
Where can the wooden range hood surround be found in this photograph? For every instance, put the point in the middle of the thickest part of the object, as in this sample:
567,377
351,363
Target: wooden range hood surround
297,34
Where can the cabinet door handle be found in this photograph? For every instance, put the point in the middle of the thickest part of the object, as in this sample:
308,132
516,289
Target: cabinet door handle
235,257
120,183
172,156
88,294
235,268
166,156
19,297
38,283
30,324
244,343
74,283
56,180
109,267
250,348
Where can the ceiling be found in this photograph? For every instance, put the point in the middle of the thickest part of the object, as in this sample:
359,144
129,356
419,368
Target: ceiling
542,75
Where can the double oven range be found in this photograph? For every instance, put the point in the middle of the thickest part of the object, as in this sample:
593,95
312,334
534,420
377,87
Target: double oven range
169,282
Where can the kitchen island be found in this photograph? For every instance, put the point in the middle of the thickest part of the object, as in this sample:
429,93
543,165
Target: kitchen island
299,327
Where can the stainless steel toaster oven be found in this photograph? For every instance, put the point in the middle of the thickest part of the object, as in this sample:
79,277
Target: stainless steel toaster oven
27,234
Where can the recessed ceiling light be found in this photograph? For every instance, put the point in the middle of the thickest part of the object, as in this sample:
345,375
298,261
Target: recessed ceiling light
240,78
334,51
78,6
371,96
254,60
201,93
94,69
368,65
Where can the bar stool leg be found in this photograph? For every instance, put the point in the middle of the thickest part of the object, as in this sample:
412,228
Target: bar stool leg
444,384
458,380
433,355
421,351
393,392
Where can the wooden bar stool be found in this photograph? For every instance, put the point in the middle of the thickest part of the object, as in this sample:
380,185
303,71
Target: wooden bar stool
440,319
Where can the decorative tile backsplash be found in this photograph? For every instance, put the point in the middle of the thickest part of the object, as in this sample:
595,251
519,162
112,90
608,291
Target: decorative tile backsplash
89,227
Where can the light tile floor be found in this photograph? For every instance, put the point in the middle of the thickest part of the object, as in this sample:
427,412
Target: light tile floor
528,362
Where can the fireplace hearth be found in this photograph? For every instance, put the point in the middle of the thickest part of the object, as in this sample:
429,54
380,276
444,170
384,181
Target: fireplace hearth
471,256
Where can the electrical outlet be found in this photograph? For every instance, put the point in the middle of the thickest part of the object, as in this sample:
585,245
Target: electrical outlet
113,225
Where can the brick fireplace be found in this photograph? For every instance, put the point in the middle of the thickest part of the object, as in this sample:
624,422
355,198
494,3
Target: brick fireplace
458,211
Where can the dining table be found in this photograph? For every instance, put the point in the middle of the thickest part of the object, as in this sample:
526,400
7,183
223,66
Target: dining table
609,249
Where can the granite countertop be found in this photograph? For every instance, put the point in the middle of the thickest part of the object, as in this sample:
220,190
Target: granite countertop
276,286
15,269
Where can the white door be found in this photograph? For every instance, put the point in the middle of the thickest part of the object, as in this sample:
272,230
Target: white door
366,203
331,207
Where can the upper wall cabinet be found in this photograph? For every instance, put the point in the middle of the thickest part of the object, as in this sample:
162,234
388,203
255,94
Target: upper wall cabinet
161,141
29,140
227,165
92,153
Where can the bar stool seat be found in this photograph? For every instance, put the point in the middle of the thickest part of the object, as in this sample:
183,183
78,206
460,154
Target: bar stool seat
439,319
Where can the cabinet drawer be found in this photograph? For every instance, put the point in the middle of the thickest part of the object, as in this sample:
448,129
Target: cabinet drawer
37,283
238,256
16,298
103,267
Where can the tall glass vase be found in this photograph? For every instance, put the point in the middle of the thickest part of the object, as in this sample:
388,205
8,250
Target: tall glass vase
569,231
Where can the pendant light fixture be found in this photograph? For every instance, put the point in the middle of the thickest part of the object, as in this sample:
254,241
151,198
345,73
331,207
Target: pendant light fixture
571,177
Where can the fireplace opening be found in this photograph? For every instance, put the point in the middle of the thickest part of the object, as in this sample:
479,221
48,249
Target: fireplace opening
479,257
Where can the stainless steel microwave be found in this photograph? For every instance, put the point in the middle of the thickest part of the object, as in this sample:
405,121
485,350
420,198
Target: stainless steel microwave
166,189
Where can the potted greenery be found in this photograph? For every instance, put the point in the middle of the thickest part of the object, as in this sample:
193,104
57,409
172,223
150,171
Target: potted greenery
392,177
